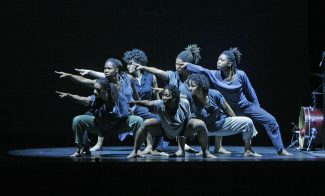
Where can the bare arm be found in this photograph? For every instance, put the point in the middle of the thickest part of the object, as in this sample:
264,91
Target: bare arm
95,74
145,103
78,79
155,86
76,98
228,109
135,92
158,72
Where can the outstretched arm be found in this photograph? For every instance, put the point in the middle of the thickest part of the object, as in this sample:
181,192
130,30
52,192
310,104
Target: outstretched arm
76,98
191,68
145,103
158,72
95,74
78,79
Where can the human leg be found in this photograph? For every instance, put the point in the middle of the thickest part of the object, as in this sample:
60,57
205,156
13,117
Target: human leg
154,126
218,148
80,125
239,124
196,126
259,115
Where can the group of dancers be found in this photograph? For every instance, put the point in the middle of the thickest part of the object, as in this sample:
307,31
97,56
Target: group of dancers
195,103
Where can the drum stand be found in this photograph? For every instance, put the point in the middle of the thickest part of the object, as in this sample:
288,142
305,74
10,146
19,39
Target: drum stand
313,130
295,136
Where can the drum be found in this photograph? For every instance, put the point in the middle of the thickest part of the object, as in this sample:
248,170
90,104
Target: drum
310,128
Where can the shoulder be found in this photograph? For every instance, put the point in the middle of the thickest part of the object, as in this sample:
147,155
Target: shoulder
241,73
171,72
215,93
130,76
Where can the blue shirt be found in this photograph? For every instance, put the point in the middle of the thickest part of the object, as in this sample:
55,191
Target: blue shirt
173,124
212,115
126,87
174,79
108,118
239,93
145,88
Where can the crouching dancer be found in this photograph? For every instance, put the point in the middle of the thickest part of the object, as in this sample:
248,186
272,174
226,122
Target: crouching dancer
174,123
211,107
110,111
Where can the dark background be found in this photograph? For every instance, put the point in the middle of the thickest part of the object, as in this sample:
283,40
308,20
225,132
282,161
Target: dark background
281,42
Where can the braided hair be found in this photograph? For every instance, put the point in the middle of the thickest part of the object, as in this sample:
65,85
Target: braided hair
110,87
191,54
234,56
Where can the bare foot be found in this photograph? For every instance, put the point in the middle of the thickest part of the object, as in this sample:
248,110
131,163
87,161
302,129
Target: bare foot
135,155
179,153
221,150
96,148
147,150
190,149
81,153
76,154
249,153
284,153
207,154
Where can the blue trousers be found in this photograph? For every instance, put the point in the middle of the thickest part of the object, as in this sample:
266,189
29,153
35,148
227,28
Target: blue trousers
261,116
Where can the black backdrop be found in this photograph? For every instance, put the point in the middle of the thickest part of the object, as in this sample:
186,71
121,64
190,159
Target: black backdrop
281,42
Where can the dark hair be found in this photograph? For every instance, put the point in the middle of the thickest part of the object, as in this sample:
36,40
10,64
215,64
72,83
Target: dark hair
117,63
191,54
234,56
137,55
111,89
174,91
103,82
201,80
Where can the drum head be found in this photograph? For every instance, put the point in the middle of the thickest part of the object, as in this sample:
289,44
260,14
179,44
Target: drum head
302,122
301,141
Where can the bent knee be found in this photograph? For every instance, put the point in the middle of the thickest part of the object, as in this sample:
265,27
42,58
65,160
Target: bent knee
196,123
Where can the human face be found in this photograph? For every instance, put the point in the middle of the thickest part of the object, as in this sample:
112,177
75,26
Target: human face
194,88
178,64
167,97
99,92
223,62
110,70
131,67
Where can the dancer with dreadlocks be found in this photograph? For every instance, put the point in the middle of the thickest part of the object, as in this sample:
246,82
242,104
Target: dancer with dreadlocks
235,86
144,82
191,54
110,115
112,71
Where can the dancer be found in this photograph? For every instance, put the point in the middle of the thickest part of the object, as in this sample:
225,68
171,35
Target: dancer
175,122
210,106
235,86
191,54
110,117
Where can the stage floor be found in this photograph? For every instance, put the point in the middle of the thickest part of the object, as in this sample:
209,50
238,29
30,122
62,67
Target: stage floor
50,171
119,154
